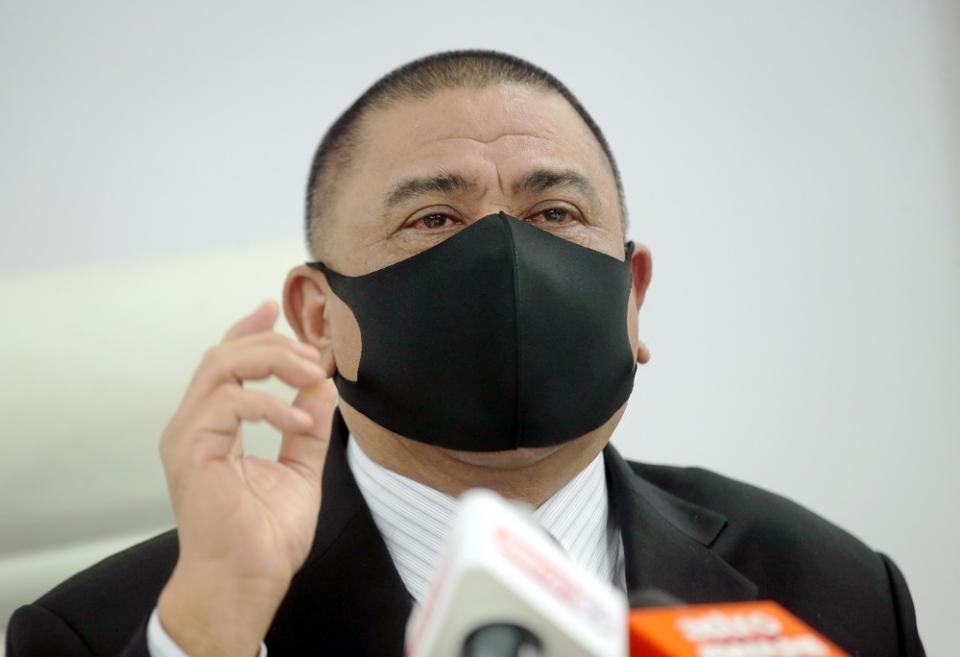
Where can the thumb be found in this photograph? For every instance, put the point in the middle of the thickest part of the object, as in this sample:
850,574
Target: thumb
307,451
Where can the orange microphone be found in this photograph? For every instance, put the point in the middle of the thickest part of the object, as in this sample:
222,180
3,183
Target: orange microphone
736,629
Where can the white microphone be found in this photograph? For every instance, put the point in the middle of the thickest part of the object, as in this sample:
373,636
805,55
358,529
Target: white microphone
504,588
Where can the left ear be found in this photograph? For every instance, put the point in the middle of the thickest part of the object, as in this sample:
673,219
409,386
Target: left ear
641,268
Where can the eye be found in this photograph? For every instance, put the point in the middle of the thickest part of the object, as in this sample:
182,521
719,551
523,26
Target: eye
554,216
434,221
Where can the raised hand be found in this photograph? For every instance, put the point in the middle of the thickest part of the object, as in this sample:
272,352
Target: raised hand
245,524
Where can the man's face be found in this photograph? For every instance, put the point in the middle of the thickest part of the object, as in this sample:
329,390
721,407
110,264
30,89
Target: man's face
425,169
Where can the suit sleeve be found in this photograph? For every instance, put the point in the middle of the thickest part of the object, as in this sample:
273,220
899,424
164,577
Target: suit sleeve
907,634
35,631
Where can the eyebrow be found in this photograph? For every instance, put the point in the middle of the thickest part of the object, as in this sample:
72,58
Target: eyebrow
538,180
409,188
541,180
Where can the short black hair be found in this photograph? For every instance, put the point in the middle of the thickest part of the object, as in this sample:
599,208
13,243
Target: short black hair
421,79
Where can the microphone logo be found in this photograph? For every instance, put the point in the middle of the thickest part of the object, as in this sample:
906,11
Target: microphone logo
738,629
717,626
550,576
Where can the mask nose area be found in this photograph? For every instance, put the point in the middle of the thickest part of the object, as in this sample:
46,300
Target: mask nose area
572,334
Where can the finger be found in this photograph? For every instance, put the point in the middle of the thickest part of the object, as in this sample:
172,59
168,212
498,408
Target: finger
214,433
274,338
235,363
269,337
306,450
262,318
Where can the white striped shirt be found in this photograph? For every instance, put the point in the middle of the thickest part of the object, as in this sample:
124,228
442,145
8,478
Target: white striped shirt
414,519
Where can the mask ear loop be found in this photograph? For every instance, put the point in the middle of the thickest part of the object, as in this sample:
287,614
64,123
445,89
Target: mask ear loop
628,249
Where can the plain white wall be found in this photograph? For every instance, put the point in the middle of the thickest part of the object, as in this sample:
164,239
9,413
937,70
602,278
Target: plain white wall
794,167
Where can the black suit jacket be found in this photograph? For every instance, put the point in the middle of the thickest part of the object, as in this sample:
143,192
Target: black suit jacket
687,531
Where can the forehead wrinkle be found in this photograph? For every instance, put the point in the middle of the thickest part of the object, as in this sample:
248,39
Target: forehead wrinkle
486,141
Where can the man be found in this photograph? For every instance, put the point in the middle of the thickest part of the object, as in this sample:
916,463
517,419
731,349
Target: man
473,298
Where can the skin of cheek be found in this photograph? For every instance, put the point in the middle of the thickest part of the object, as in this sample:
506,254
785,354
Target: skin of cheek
633,329
346,339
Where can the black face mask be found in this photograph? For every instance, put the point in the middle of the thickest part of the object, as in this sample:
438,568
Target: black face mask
502,336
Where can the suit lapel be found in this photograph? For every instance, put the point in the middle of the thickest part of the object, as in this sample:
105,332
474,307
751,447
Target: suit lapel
667,540
348,598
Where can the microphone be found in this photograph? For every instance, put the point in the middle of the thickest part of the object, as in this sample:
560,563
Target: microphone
734,629
504,588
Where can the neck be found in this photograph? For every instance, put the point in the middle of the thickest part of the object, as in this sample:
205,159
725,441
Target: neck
530,475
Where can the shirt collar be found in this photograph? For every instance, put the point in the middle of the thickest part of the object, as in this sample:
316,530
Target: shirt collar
414,519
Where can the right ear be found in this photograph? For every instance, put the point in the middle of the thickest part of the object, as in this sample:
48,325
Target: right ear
306,309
